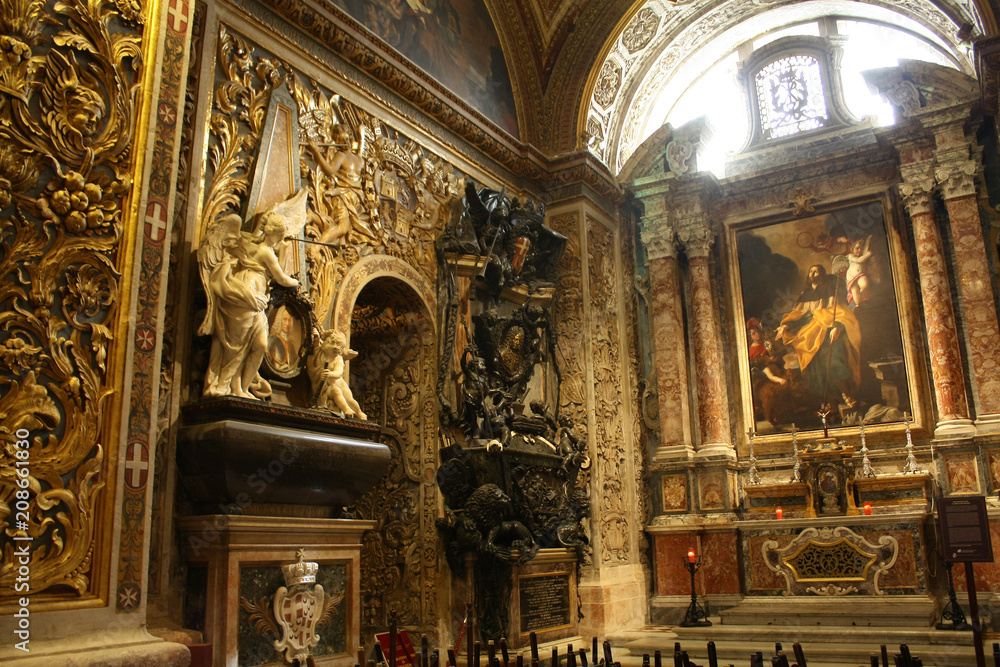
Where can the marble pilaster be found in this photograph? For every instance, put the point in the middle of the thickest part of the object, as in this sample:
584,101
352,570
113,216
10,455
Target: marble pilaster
939,314
713,409
667,330
956,179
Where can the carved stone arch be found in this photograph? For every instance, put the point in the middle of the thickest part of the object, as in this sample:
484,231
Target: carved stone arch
369,268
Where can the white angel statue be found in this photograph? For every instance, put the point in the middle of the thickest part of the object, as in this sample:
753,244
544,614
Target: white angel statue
236,268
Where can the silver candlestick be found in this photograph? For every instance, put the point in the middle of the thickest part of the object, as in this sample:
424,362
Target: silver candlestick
752,477
866,465
911,460
796,473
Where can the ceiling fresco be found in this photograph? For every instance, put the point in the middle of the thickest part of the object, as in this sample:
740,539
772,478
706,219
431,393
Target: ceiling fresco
548,72
452,40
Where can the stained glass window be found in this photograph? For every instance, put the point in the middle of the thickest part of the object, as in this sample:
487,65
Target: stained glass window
790,96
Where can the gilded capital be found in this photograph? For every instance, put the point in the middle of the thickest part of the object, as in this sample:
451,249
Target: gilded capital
957,179
917,196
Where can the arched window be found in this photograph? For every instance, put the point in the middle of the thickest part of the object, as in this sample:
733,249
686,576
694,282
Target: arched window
804,64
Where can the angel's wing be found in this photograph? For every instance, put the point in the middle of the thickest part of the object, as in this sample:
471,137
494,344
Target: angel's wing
212,252
294,211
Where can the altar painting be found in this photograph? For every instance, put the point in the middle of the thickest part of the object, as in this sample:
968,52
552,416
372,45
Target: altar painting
820,323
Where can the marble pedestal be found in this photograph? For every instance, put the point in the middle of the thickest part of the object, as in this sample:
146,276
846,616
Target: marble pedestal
238,559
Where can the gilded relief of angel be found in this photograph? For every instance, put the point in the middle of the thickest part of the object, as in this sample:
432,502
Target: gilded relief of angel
236,269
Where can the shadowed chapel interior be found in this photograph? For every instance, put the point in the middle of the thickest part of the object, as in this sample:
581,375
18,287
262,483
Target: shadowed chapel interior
543,322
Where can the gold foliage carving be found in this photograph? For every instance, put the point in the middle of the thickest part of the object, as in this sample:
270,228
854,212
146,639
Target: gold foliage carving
68,96
371,190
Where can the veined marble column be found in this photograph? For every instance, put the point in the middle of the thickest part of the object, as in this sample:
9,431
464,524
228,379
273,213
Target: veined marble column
713,406
668,337
939,315
957,181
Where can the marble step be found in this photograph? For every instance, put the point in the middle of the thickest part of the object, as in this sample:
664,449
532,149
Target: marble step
833,646
891,611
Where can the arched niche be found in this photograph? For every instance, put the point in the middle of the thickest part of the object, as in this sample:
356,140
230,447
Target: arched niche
387,314
370,268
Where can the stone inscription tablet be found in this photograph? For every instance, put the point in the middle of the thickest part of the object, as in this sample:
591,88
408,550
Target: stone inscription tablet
545,603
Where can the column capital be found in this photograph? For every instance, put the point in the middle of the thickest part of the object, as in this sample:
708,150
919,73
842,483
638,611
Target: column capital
696,236
957,178
917,196
660,241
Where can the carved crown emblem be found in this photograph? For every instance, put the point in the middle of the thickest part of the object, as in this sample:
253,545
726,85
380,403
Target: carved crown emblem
300,573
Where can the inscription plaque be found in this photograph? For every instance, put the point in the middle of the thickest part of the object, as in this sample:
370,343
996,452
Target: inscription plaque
545,602
965,529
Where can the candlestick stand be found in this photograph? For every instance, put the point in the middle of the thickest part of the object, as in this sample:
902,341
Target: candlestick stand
797,468
911,460
952,611
866,464
696,617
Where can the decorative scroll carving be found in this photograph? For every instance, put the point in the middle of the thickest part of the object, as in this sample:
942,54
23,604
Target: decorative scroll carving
957,179
696,237
831,557
660,242
608,395
917,196
68,96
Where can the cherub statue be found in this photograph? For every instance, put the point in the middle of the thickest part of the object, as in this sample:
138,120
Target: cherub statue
236,268
326,370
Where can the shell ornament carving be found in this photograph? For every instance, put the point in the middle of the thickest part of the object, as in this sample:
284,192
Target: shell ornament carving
69,89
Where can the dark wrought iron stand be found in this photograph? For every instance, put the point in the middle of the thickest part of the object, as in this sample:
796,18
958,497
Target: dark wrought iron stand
696,615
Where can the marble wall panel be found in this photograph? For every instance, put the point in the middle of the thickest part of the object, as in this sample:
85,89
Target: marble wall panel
675,492
993,464
987,574
719,571
962,472
672,578
758,577
712,490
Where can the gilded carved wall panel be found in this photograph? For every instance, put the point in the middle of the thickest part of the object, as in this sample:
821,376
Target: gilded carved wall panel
371,190
69,96
609,428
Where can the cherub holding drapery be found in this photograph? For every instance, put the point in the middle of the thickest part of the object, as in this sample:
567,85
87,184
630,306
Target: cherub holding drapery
236,268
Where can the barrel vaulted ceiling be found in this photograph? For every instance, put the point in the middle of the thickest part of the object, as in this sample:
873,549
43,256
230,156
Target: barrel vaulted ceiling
555,49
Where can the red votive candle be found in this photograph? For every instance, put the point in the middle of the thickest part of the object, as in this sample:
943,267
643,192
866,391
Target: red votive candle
692,556
778,512
868,508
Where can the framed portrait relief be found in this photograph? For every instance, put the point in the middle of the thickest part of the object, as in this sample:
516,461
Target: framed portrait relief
822,321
